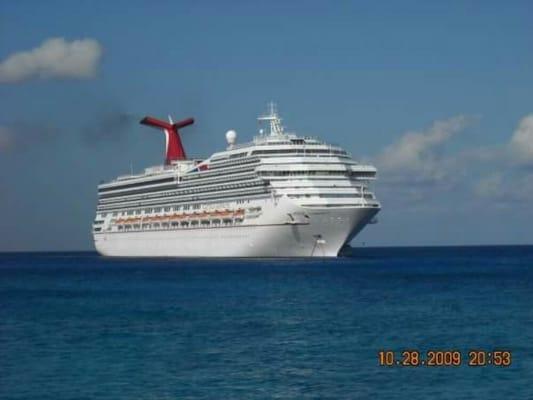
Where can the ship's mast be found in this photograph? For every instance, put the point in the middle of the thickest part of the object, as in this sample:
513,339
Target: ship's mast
273,120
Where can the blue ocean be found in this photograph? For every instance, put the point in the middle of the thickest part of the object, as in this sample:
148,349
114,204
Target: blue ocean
79,326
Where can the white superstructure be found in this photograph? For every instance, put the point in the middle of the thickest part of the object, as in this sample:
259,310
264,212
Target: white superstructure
281,195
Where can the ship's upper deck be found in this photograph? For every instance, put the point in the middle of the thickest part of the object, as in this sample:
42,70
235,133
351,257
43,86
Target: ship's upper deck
272,142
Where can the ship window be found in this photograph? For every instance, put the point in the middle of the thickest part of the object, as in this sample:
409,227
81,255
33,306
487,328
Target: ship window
135,185
238,155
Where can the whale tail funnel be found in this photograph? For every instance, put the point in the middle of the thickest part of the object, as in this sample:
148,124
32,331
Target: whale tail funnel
174,147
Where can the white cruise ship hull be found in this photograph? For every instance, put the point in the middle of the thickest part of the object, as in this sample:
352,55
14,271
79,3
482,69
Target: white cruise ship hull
322,234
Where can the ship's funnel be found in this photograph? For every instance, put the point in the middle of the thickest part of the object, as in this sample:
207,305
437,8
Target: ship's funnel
174,147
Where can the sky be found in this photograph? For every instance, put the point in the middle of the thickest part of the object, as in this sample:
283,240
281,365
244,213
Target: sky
437,95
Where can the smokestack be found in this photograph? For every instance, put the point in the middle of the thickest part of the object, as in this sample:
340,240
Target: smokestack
174,147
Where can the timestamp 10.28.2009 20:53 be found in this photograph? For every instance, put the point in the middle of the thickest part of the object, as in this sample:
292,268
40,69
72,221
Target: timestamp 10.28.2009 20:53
444,358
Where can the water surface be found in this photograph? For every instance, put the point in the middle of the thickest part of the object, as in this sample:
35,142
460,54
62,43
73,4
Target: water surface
79,326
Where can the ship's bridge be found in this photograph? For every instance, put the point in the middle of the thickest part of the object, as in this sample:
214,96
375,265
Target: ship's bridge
273,139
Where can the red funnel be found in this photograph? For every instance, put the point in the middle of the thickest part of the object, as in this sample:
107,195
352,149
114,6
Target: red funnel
174,147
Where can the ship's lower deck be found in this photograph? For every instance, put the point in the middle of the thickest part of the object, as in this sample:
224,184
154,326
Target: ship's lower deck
321,233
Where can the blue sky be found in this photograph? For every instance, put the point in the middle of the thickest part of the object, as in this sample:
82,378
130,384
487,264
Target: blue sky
439,95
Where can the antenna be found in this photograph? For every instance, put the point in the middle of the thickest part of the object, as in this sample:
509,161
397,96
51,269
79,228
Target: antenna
272,108
272,119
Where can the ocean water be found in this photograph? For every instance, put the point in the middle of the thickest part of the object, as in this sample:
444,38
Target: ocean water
79,326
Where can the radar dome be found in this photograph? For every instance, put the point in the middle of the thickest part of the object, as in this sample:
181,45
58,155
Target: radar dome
231,137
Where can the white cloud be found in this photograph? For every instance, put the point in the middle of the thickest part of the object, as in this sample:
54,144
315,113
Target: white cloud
416,170
415,157
509,182
521,144
55,58
507,187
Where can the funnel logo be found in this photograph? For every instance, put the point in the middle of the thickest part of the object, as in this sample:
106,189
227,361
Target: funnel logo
174,147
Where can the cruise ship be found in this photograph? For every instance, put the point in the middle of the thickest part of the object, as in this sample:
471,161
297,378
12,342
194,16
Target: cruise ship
280,195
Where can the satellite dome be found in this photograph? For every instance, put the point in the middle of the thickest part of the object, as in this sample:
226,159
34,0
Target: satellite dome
231,137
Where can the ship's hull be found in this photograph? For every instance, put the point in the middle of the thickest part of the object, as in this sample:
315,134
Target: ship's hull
321,234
